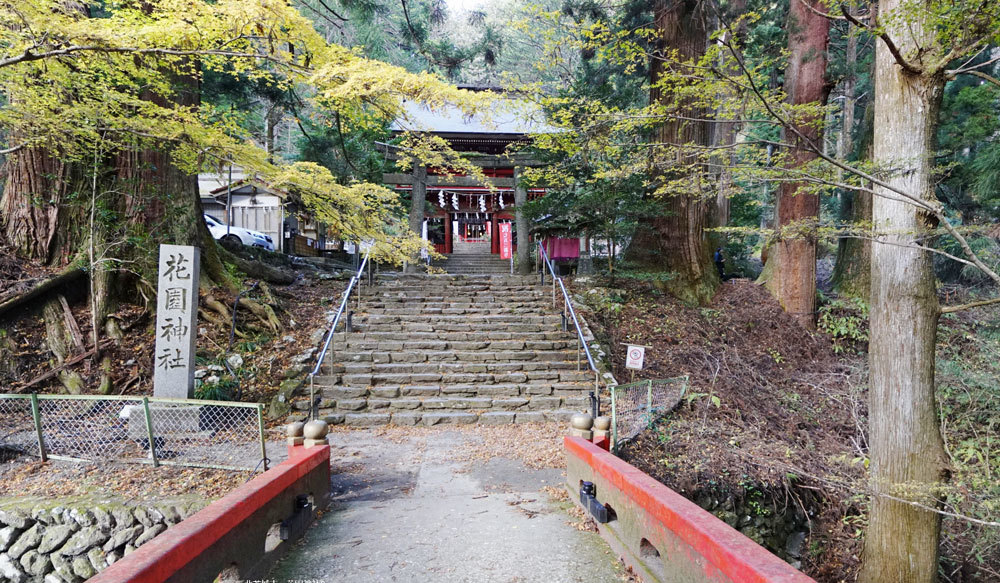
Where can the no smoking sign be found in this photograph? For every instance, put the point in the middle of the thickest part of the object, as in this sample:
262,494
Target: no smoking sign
635,356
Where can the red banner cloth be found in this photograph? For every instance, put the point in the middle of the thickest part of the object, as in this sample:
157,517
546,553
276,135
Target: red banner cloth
505,241
558,248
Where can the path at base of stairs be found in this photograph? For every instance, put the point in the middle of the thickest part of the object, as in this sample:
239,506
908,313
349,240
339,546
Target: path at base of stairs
403,510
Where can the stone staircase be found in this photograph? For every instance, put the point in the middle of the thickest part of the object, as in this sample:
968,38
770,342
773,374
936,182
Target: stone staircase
474,264
429,350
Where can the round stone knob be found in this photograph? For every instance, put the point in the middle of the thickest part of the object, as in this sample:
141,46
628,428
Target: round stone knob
294,429
316,429
582,421
602,423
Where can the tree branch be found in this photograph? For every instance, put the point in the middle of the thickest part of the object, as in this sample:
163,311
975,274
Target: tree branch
981,75
893,49
969,306
28,56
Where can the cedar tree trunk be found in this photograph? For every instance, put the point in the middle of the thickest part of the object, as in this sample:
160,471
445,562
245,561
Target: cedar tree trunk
793,279
675,240
907,454
418,200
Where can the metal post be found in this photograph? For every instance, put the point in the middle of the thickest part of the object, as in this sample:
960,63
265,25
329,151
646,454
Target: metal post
312,398
614,423
36,414
260,427
578,363
563,316
149,431
553,291
347,327
649,400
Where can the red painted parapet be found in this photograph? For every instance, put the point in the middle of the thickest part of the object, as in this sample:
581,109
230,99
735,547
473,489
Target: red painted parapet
657,531
236,534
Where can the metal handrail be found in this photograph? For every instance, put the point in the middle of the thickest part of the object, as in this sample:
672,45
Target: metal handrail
355,279
569,307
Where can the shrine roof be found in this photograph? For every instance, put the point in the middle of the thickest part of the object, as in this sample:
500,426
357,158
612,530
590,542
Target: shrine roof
514,120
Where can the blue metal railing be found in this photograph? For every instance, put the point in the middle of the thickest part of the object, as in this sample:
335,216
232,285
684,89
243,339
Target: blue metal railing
355,279
568,308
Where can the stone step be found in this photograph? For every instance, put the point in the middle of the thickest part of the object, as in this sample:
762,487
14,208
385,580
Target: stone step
558,389
467,326
485,319
501,278
432,418
455,403
364,349
502,266
462,378
474,340
455,302
462,357
432,307
406,310
494,296
504,367
486,281
421,350
452,403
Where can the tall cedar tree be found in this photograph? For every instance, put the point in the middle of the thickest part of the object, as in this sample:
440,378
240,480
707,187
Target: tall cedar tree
675,239
792,280
907,453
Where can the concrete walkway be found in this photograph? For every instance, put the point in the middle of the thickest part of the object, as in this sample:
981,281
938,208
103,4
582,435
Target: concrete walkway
404,510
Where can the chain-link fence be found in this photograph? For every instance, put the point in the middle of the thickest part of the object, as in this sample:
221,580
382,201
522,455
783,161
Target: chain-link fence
635,406
183,432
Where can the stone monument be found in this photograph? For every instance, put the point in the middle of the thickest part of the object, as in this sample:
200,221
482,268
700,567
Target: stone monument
176,321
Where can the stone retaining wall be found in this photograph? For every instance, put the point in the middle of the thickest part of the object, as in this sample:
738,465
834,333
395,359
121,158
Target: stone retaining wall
70,540
239,536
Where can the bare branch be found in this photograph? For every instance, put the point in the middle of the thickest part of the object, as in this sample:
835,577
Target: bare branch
969,306
984,76
893,49
821,13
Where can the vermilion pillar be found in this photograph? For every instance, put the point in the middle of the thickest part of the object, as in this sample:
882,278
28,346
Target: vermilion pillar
447,233
494,234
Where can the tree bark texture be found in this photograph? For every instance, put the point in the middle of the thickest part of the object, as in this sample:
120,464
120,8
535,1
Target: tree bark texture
418,199
36,214
675,240
162,200
38,219
521,225
793,281
905,446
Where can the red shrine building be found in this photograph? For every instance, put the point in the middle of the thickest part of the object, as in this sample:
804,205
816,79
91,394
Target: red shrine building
459,214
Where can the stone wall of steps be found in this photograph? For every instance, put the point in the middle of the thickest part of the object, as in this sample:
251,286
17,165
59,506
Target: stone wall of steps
474,264
430,350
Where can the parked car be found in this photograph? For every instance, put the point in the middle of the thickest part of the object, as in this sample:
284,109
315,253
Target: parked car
238,234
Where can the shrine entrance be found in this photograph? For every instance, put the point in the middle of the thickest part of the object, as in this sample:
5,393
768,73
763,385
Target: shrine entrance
472,233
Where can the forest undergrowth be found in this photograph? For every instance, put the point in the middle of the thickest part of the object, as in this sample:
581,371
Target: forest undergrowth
774,420
266,349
